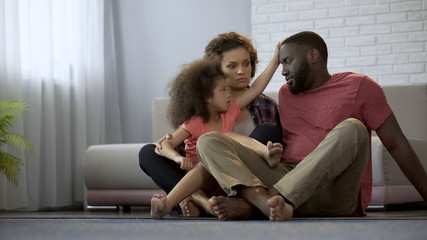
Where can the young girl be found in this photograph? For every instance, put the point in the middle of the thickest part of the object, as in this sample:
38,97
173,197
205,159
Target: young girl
199,97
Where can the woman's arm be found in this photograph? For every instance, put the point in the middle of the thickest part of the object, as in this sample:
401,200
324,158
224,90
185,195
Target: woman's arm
261,82
168,148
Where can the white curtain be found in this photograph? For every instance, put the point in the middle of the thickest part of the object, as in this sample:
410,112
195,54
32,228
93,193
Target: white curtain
59,56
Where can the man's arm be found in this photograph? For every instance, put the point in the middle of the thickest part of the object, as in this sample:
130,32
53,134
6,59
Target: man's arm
398,145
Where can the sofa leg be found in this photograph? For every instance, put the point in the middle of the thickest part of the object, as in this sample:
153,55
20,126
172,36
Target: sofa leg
376,208
126,208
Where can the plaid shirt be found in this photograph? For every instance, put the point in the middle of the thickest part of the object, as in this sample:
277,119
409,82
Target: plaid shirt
264,109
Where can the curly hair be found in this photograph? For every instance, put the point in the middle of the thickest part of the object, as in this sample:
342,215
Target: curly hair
228,41
190,89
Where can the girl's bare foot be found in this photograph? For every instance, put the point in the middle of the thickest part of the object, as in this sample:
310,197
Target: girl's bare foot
227,209
273,154
189,209
158,206
201,200
279,209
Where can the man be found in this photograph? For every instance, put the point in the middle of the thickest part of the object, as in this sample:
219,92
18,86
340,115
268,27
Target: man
325,168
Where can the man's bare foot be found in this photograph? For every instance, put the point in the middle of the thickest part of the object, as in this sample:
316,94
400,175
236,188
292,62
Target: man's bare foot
228,209
273,154
189,209
279,209
158,206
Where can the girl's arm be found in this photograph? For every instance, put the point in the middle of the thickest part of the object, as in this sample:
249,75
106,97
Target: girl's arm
261,82
168,148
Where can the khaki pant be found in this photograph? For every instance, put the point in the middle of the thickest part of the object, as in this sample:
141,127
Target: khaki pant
325,183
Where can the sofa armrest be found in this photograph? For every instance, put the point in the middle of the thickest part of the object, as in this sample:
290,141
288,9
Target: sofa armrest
115,166
385,171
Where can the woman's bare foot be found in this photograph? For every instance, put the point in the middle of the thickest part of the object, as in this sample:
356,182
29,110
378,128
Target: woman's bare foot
158,206
189,209
279,209
273,154
227,209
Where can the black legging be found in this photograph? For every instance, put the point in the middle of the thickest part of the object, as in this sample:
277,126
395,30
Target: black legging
166,173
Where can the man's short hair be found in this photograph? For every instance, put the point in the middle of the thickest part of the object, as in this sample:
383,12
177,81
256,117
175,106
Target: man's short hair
310,39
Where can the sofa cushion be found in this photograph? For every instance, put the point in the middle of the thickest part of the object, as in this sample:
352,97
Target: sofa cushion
409,104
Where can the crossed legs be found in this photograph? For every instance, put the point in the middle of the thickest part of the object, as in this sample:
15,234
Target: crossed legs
197,178
336,166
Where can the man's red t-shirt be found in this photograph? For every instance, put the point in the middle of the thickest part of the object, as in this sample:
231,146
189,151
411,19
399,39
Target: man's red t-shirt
307,118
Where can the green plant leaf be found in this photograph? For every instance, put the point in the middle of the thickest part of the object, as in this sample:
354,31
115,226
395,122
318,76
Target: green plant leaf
19,142
14,108
10,167
6,121
9,164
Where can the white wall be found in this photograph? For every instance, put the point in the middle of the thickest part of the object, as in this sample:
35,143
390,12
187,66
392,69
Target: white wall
384,39
154,38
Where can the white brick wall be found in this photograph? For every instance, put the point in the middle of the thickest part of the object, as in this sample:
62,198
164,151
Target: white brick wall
384,39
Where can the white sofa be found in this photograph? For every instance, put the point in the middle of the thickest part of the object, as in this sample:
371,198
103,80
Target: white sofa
113,176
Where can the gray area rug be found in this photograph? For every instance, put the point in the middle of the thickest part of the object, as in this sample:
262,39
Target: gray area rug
144,213
137,224
171,229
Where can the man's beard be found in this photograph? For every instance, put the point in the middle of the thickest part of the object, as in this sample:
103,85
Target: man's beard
300,78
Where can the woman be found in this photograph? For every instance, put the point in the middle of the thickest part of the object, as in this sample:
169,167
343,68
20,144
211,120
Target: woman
260,119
